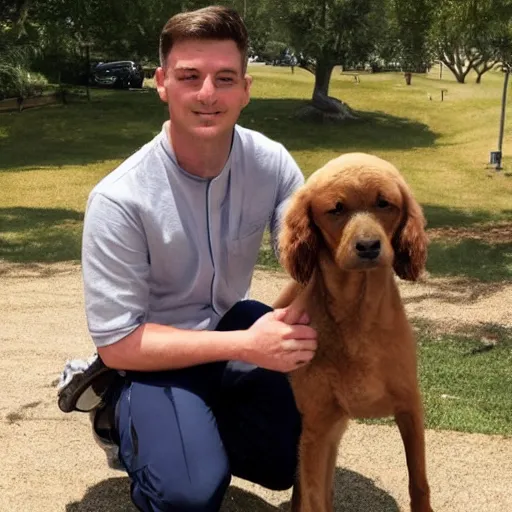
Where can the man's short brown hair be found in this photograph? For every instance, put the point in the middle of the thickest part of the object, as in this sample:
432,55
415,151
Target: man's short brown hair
214,22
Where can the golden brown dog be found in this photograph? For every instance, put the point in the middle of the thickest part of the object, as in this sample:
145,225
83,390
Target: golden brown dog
346,229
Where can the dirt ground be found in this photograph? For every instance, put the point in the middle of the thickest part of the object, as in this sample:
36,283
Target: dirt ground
50,462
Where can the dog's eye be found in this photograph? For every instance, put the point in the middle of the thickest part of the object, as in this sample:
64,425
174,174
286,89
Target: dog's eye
337,210
382,203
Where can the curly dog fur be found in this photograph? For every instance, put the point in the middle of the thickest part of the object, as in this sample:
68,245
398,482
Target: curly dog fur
347,231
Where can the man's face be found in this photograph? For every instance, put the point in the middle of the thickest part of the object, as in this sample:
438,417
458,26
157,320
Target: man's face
205,87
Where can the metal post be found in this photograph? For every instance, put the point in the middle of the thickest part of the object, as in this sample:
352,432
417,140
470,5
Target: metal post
88,70
502,120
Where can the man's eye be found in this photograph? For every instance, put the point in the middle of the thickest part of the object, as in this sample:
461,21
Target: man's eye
338,209
226,80
188,78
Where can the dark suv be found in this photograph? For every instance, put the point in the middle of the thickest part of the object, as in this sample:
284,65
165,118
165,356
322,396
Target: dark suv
121,74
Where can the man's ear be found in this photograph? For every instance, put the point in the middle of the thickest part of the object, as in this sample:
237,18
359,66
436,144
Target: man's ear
247,86
160,83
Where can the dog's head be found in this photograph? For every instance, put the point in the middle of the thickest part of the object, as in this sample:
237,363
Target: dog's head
361,210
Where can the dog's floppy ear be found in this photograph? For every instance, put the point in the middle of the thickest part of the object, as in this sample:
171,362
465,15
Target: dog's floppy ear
410,240
298,241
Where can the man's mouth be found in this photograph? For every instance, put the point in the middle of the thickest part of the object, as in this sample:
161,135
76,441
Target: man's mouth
207,114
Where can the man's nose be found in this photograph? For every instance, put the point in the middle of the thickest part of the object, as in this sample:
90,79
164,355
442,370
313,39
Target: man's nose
207,92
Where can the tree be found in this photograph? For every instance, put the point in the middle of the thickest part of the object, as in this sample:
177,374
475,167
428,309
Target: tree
487,60
17,48
262,23
466,34
453,35
409,25
327,33
493,44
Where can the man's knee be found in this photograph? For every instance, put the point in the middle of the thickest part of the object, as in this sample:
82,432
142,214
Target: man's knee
203,491
242,315
273,465
281,472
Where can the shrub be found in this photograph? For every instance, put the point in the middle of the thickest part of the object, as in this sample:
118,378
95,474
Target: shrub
16,81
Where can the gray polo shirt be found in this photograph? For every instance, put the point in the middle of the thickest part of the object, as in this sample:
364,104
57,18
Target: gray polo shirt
163,246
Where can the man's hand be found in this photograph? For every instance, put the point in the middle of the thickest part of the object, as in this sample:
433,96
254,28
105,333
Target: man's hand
280,340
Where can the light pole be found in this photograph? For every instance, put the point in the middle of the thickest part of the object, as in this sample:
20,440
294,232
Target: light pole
497,156
87,45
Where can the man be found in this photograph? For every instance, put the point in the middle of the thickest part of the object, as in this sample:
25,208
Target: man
170,241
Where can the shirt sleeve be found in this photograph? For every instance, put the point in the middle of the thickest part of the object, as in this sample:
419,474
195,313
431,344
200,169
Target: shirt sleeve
290,179
115,270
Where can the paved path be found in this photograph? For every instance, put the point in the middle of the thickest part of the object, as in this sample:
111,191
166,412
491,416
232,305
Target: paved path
50,463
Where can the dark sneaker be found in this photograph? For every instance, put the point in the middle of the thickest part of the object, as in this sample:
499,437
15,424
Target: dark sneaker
89,386
104,431
84,385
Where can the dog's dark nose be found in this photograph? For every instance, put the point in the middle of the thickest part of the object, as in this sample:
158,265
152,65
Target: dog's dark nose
368,249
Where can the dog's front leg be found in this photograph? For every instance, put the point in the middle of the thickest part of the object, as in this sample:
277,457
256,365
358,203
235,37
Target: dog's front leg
287,295
317,461
334,440
296,495
410,424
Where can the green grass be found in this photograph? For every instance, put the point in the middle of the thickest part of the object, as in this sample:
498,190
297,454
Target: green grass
471,258
442,148
466,258
466,382
40,234
51,157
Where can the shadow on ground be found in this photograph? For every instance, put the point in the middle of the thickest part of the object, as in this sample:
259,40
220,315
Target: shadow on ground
464,251
461,291
112,494
112,126
491,335
373,131
444,216
116,123
473,259
49,235
355,493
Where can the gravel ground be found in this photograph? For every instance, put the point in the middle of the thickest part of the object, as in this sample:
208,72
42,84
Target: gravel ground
50,462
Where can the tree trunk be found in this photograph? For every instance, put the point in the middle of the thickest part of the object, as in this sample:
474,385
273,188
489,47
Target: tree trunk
457,64
457,73
323,107
323,74
461,60
482,67
87,70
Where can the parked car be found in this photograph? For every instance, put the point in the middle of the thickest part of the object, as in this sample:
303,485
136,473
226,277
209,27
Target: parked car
121,74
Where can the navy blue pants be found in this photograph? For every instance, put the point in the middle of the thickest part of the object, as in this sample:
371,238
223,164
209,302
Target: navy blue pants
183,433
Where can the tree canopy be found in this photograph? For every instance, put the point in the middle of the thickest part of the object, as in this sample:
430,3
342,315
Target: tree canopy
49,36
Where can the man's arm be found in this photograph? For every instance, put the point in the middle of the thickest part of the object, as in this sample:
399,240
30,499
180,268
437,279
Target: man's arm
153,347
290,179
270,343
116,270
